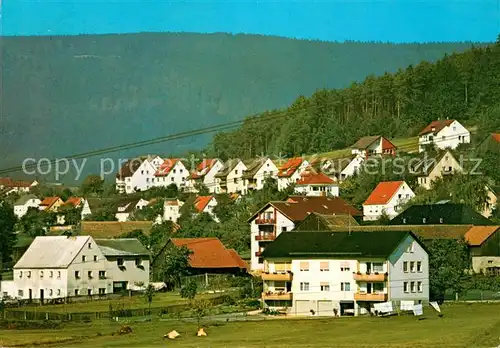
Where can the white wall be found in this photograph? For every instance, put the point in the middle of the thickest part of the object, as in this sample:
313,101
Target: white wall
353,167
209,178
449,137
268,169
318,190
234,181
284,182
21,210
177,175
172,212
392,208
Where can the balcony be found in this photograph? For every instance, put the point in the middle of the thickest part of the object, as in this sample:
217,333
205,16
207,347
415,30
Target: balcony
284,296
370,277
264,221
377,297
277,276
265,237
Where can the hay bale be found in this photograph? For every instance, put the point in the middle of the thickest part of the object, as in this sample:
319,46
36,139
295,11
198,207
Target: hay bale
172,335
201,332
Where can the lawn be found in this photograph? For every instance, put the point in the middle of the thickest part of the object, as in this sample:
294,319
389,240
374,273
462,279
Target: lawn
133,302
463,325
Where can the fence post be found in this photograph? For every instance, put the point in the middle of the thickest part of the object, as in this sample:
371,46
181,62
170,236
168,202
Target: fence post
206,279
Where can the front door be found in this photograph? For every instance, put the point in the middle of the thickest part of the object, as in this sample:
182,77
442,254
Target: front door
41,296
369,288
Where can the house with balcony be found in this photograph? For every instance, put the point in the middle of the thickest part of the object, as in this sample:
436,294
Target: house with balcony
205,174
373,145
138,174
344,273
55,267
312,183
387,198
443,134
230,178
256,174
171,171
276,217
431,168
290,172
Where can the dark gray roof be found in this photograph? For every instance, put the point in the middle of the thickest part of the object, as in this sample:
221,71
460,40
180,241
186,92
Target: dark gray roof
254,167
228,167
434,214
22,200
122,247
364,142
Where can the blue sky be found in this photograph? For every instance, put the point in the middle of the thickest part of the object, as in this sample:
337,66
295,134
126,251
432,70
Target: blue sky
369,20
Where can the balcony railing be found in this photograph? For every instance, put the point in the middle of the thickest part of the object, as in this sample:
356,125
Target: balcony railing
264,221
263,237
278,276
359,296
370,277
285,296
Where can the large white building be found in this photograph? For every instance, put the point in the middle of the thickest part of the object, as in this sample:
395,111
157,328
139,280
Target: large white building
60,266
138,174
344,273
388,197
171,171
289,173
277,217
22,205
443,134
230,178
205,174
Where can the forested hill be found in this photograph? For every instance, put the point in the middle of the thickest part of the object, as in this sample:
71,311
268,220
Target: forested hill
464,86
69,94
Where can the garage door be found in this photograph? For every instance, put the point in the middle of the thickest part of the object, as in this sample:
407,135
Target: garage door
325,308
304,307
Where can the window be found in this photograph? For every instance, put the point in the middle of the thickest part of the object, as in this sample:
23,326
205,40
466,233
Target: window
20,274
102,274
51,292
77,274
175,170
58,274
90,245
89,292
378,267
419,287
84,258
90,274
324,286
324,266
51,274
29,274
304,286
102,291
283,229
412,286
95,258
76,292
119,261
412,266
138,262
59,291
419,266
41,274
345,267
410,248
142,171
345,286
405,267
304,267
405,286
172,179
20,293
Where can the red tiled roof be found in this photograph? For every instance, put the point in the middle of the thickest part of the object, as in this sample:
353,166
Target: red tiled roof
383,192
210,253
8,182
203,168
496,137
386,144
312,178
49,201
437,126
477,235
201,202
74,201
289,167
166,166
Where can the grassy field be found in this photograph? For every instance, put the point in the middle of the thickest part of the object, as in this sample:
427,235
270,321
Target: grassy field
463,325
134,302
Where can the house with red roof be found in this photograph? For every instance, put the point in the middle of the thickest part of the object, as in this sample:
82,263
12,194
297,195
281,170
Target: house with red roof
51,204
171,171
315,183
208,256
206,204
443,134
205,174
290,171
138,174
388,197
373,145
9,185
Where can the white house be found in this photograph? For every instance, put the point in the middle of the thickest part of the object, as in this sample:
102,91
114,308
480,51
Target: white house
206,204
171,209
229,179
205,174
343,168
388,197
257,172
290,172
429,169
8,185
171,171
277,217
138,174
22,205
443,134
373,145
344,273
60,266
312,183
128,207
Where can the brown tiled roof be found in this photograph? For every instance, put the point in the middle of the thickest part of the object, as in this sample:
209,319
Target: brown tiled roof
49,201
228,167
437,126
254,167
112,229
210,253
477,235
364,142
